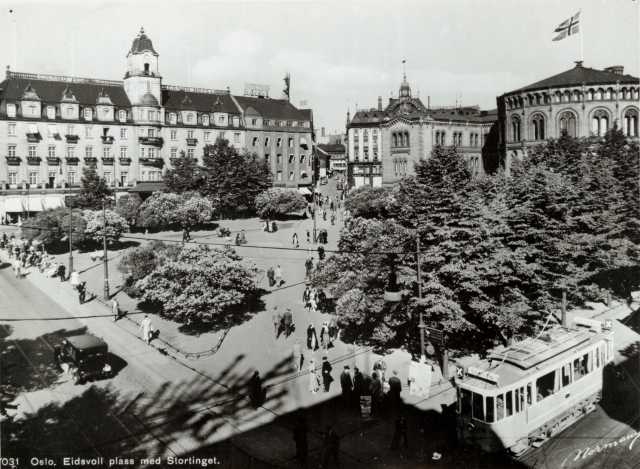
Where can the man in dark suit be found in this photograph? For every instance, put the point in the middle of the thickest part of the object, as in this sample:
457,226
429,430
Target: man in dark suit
326,374
346,383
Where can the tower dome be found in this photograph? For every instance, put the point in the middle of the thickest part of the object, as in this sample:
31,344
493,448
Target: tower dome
148,100
141,44
405,89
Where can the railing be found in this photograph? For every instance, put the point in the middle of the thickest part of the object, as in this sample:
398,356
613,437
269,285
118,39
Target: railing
125,161
91,160
108,160
156,162
66,79
192,142
194,90
72,138
34,137
13,160
155,141
33,160
107,139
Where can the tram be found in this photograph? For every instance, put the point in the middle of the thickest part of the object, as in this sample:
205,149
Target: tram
522,394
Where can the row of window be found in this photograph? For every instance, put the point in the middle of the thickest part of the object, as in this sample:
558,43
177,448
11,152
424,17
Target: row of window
32,151
267,142
71,176
292,176
494,408
400,167
571,96
70,111
292,159
400,139
567,122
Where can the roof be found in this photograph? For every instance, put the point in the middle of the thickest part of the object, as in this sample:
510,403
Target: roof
198,101
274,108
148,186
142,43
332,147
579,75
86,91
149,100
85,341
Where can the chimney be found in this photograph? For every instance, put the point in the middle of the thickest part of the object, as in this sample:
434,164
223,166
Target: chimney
428,102
617,69
322,131
379,103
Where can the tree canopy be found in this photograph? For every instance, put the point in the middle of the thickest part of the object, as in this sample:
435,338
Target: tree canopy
115,226
184,176
165,209
127,207
276,202
93,189
52,227
371,202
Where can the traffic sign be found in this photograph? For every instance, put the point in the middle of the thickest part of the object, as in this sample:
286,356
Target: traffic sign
435,335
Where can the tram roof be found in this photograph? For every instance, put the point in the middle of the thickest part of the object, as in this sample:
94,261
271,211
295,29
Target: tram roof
524,358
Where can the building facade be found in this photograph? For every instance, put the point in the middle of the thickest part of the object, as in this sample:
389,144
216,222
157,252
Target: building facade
132,130
580,102
383,145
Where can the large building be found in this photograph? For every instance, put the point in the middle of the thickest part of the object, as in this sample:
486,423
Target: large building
384,144
131,130
581,102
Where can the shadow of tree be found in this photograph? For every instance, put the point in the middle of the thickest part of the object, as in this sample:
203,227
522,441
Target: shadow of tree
620,391
106,422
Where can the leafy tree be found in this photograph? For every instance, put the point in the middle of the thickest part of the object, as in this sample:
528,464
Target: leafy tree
116,225
232,179
51,227
127,207
371,202
273,203
200,285
157,210
192,211
185,176
93,189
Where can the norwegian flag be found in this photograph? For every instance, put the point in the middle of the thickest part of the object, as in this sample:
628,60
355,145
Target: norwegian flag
568,27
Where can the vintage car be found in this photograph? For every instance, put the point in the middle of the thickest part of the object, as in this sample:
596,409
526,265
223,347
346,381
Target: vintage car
85,357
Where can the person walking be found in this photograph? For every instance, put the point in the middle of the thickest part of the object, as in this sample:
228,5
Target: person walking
271,276
308,265
314,382
333,331
326,374
82,292
17,268
147,328
115,309
298,357
287,322
324,335
313,301
395,388
276,318
294,238
346,384
358,384
333,218
308,236
312,338
279,280
306,297
61,272
375,389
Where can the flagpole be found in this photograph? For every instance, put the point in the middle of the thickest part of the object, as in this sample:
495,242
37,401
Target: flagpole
581,32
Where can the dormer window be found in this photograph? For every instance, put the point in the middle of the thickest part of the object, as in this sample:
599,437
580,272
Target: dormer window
190,118
69,112
88,114
11,110
51,112
122,116
205,119
146,69
173,119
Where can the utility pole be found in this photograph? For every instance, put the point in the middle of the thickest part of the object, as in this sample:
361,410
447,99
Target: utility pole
104,243
70,226
421,326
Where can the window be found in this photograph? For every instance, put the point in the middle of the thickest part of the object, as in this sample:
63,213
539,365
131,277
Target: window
509,401
11,150
266,141
207,136
88,152
279,176
71,151
13,177
537,127
123,177
279,142
581,367
236,137
630,123
151,152
254,121
254,141
174,152
516,399
189,118
151,132
190,134
51,112
122,116
568,124
123,152
88,114
301,159
279,158
33,177
69,112
465,402
499,407
266,157
190,153
71,176
221,120
515,129
52,151
173,134
173,119
106,152
566,375
489,408
291,176
151,115
478,406
291,157
108,177
545,385
32,150
88,131
290,142
11,110
123,133
11,129
600,123
205,120
142,152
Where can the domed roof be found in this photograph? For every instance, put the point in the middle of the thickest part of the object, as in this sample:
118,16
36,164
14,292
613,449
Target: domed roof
142,43
148,100
405,89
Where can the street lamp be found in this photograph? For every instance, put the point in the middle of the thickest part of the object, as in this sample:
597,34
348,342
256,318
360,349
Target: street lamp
105,252
70,222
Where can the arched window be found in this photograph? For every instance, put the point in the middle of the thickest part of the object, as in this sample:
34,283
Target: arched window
443,137
623,93
538,99
590,95
407,137
608,94
599,94
557,97
395,139
515,129
599,123
568,124
537,127
631,123
566,96
577,96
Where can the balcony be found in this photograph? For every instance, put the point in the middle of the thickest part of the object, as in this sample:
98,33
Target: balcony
124,161
14,160
57,136
107,139
108,160
71,138
192,142
155,162
90,160
33,160
53,161
155,141
72,160
34,137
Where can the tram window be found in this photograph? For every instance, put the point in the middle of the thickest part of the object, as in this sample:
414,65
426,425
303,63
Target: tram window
566,375
598,356
499,407
517,399
478,407
522,398
465,402
545,385
580,366
509,403
490,409
529,393
590,361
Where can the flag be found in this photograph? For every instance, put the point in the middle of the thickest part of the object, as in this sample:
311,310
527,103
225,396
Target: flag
568,27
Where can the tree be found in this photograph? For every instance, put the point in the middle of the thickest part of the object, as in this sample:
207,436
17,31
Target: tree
200,285
192,211
371,202
233,180
157,211
93,190
273,203
185,176
127,207
51,227
116,225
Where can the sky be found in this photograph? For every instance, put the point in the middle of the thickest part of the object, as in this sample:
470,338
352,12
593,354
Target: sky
341,55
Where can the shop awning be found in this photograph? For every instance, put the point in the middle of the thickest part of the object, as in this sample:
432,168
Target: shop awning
33,204
304,191
13,205
51,201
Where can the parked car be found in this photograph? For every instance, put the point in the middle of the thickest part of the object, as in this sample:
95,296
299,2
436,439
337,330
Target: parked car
85,356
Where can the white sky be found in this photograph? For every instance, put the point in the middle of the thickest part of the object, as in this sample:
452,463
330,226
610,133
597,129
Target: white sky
339,53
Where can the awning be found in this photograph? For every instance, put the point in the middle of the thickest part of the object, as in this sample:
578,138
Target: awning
33,204
304,191
52,201
148,186
13,205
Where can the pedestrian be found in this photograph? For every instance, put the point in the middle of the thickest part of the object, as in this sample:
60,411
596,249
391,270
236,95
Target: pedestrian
279,280
312,338
243,237
313,301
298,357
300,438
320,253
147,328
256,393
61,272
185,235
308,265
294,238
277,321
308,236
331,448
395,388
287,322
346,384
375,390
326,374
82,292
400,434
17,268
358,384
324,335
74,279
115,309
272,276
333,331
306,297
238,239
314,381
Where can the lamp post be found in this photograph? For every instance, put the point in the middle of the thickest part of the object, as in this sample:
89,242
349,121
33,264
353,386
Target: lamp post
70,224
104,245
422,325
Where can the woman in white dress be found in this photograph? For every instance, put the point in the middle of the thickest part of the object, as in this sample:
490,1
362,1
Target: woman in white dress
314,382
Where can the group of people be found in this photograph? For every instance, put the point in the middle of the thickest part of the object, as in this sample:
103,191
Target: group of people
313,298
322,379
275,276
283,322
24,253
385,393
329,332
241,238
